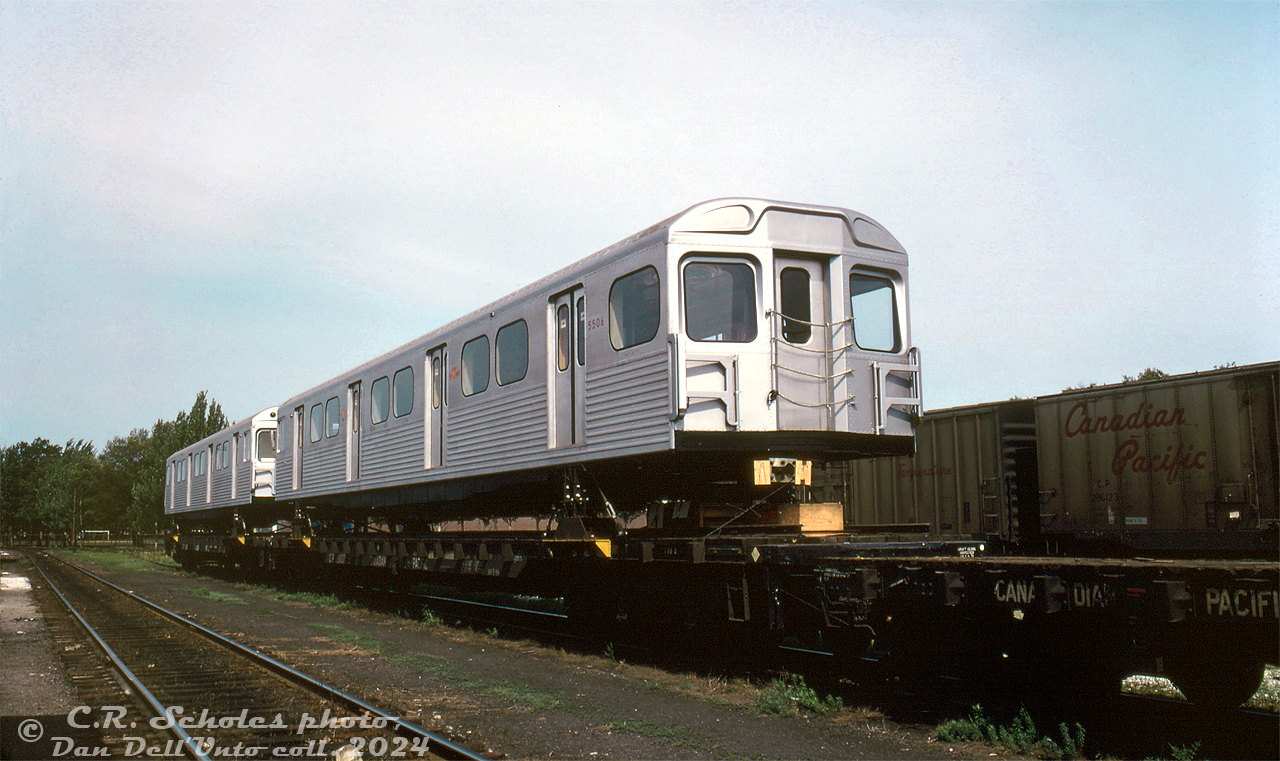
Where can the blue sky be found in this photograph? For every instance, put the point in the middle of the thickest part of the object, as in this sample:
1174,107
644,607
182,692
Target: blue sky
250,198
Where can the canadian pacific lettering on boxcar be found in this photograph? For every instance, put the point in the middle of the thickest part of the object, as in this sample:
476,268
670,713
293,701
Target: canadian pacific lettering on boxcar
1183,464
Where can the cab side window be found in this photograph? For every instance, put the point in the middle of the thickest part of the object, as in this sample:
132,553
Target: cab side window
720,301
874,312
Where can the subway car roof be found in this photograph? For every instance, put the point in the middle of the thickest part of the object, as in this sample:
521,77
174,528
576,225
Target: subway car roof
721,215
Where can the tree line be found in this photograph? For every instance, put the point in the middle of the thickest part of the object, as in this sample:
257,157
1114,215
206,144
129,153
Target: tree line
51,489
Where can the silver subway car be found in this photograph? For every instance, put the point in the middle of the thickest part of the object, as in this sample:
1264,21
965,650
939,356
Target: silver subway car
224,472
656,369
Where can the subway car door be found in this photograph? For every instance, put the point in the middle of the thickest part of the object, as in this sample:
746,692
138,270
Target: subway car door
353,431
567,412
801,342
437,404
299,430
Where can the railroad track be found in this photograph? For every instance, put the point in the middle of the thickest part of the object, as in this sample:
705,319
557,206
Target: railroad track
153,683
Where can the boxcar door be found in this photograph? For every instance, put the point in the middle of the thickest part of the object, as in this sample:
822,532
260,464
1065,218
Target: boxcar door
353,431
801,341
567,360
437,404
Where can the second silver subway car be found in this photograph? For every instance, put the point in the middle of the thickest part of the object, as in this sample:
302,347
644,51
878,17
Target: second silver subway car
224,473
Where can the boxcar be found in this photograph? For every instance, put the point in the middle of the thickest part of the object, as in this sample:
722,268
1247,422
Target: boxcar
1185,464
963,480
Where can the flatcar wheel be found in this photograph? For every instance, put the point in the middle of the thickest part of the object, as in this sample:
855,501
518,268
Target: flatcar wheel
1215,682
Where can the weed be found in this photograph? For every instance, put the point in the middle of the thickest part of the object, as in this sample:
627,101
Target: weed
430,618
1072,743
1184,752
1020,736
784,696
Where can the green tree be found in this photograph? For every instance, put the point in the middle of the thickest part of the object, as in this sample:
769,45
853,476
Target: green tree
51,489
66,482
146,509
123,460
22,467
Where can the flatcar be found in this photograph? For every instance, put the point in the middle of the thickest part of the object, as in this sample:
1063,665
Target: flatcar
658,369
1182,465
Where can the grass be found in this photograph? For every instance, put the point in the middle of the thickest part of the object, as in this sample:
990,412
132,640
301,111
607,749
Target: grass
1019,736
784,697
651,729
438,667
340,633
526,696
212,596
125,559
314,599
673,735
1184,752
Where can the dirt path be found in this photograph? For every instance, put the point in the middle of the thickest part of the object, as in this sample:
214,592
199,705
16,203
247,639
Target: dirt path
516,698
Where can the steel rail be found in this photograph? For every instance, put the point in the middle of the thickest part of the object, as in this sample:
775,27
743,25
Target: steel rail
435,743
134,682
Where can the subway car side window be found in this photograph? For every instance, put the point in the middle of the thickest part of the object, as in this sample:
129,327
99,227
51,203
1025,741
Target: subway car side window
402,391
475,365
332,418
635,302
380,396
317,422
512,349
